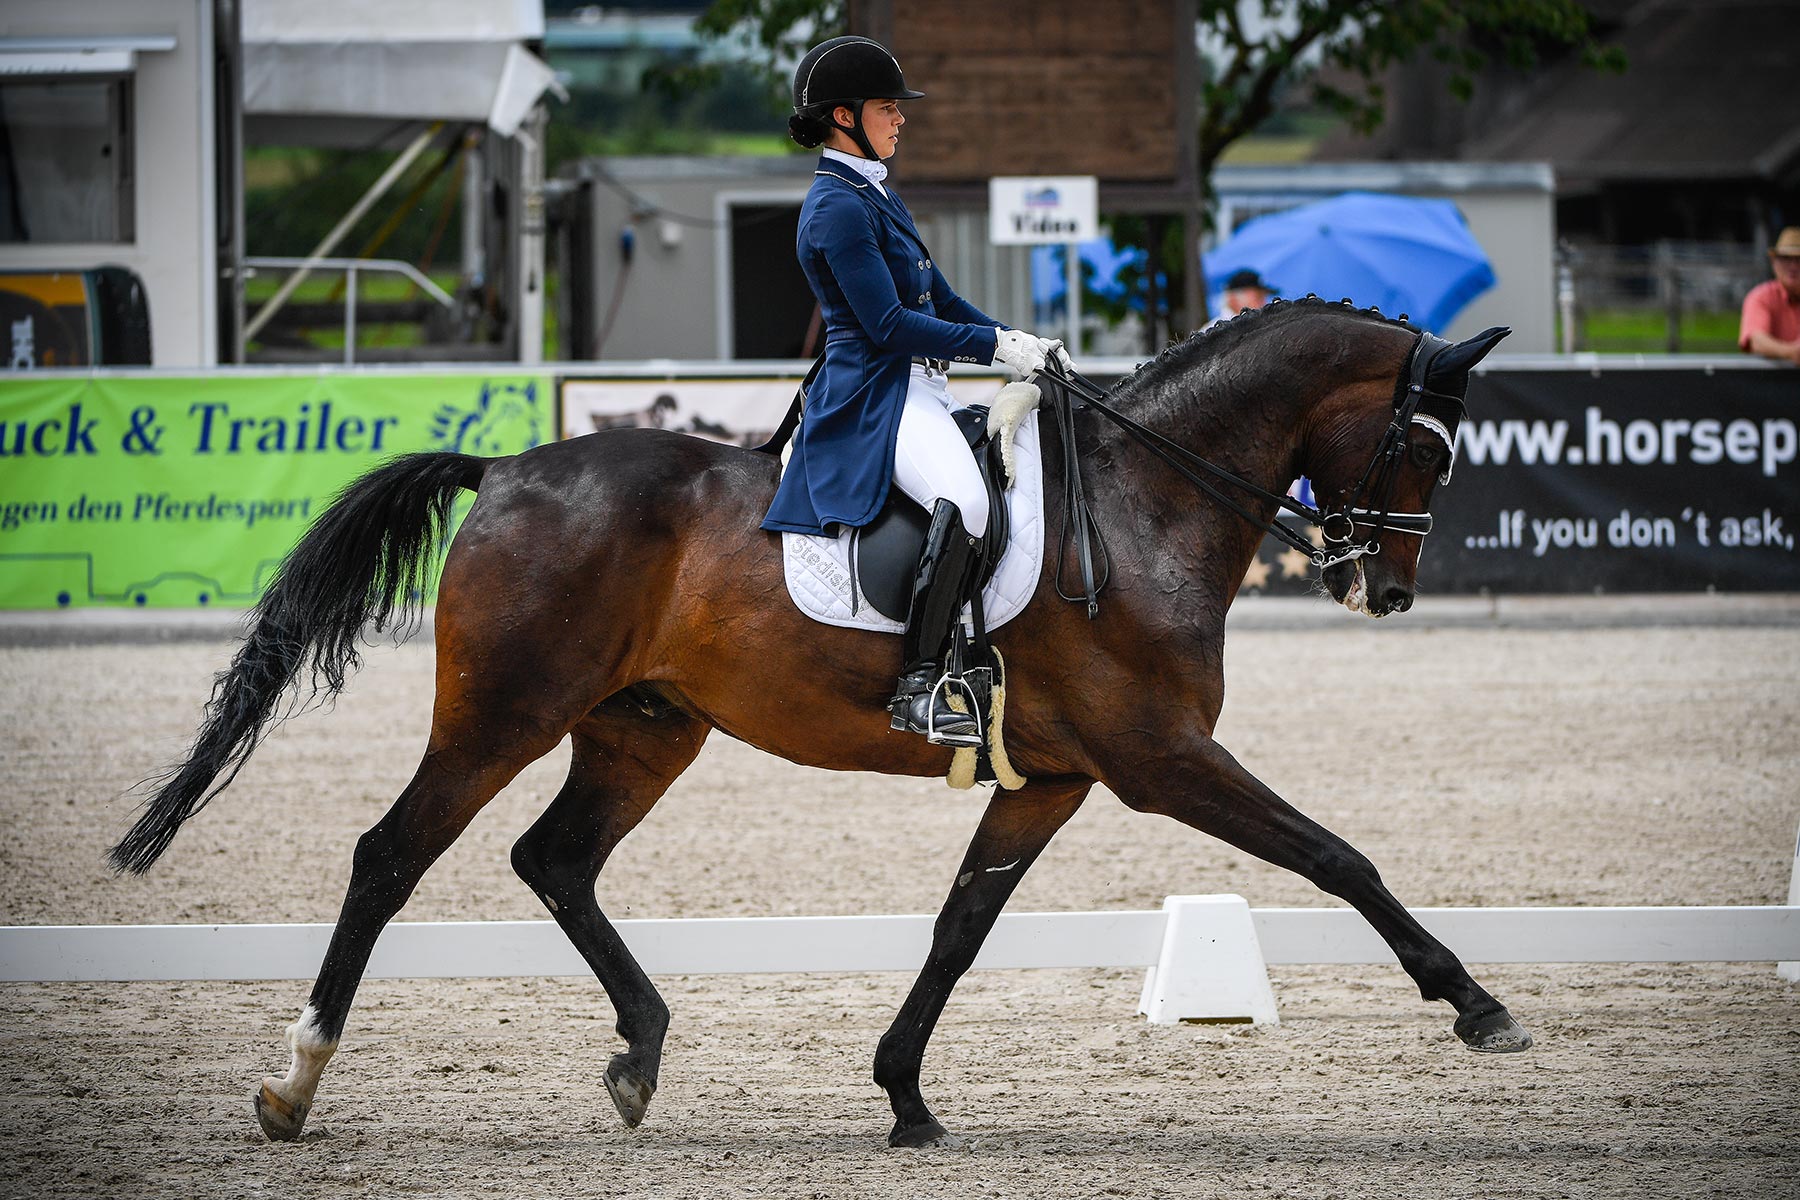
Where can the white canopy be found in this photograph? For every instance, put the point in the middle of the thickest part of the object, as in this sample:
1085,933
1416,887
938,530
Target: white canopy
452,60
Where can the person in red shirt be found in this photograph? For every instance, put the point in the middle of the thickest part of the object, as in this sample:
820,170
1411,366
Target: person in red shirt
1771,321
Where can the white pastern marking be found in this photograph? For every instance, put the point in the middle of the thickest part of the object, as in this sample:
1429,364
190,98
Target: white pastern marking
311,1051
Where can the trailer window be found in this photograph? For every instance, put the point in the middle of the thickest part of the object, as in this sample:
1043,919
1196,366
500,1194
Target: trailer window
65,161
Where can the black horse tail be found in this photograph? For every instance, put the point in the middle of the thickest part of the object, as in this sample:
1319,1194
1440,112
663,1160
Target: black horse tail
366,560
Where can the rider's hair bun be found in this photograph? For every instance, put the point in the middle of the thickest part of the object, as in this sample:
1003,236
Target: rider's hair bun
809,131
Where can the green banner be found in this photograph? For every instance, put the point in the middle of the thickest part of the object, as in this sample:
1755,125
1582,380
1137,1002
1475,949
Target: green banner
183,492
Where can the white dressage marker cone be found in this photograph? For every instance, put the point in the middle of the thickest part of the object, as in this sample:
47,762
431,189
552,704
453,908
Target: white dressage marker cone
1211,966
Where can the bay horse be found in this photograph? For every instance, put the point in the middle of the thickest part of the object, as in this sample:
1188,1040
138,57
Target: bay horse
615,589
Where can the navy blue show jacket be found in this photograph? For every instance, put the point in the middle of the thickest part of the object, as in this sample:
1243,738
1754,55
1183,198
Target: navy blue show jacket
883,302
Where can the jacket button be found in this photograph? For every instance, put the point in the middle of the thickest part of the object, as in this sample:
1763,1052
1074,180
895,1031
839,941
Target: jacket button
921,264
928,264
924,296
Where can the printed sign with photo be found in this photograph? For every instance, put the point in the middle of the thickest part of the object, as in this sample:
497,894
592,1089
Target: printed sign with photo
738,412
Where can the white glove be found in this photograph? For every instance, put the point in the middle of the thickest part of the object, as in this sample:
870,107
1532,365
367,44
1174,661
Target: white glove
1023,352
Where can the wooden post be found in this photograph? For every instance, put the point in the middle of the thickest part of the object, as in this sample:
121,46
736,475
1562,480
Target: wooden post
1193,293
1153,235
1670,282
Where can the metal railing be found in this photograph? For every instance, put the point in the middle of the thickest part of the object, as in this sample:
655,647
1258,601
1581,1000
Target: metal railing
351,267
1666,281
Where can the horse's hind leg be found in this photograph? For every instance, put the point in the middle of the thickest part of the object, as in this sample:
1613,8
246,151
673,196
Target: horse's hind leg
623,762
1013,832
1211,791
464,768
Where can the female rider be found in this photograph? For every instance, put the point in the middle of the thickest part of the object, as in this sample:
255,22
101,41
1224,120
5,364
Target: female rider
878,412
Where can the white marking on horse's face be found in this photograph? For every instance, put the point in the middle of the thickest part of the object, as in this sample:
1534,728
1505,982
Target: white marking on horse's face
311,1051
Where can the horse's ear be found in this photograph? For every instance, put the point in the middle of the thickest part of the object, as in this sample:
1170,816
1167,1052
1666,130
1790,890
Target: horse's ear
1449,371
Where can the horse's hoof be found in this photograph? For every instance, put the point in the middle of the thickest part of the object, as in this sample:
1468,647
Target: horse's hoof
629,1090
280,1120
1493,1033
926,1133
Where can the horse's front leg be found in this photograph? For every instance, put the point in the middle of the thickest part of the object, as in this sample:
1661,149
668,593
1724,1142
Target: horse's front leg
1013,832
1201,784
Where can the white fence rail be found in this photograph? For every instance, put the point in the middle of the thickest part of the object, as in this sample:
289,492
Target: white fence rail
456,949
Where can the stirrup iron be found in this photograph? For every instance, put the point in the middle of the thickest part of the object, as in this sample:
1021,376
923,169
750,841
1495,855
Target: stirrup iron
925,710
945,737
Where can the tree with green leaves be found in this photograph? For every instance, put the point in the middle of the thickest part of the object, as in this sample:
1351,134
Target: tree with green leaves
1255,55
785,29
1260,50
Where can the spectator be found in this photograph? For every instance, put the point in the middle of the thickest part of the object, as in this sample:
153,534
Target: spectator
1771,321
1245,290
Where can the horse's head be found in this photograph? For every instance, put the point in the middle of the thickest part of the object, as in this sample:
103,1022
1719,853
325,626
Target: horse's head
1365,406
1375,460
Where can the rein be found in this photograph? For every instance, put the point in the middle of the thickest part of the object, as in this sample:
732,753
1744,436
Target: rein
1337,528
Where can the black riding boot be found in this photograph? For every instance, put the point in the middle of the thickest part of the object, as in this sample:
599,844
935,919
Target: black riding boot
939,592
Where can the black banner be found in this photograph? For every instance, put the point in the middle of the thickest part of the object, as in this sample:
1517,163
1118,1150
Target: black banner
1623,481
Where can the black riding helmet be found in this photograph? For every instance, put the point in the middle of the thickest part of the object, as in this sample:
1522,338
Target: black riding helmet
848,71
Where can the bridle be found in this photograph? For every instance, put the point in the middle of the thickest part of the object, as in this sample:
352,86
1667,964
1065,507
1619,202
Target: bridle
1369,506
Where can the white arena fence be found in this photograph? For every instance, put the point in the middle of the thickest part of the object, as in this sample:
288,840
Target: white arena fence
1206,955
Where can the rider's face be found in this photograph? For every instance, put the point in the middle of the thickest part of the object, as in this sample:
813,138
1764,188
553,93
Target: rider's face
881,122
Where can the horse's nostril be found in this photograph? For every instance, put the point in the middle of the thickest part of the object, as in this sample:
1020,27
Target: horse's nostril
1398,599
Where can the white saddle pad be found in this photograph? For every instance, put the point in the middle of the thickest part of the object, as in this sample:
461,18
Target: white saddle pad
818,568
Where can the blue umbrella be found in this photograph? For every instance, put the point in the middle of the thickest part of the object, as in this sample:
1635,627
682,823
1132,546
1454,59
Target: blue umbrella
1401,254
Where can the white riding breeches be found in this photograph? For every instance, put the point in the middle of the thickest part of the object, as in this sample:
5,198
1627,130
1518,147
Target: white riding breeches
932,461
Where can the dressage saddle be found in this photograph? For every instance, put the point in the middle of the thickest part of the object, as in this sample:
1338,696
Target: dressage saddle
885,553
884,557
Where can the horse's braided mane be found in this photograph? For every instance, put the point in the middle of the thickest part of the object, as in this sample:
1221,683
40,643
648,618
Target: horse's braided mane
1205,344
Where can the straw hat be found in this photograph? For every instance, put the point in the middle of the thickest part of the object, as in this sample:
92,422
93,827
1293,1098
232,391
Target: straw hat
1788,244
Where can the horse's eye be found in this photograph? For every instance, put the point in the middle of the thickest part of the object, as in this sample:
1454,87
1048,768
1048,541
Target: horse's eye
1426,456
